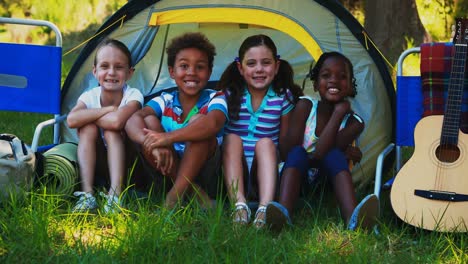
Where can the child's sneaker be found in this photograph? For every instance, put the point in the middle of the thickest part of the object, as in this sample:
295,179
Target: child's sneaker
87,202
365,213
112,204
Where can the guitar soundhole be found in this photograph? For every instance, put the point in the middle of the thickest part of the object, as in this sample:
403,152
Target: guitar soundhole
447,153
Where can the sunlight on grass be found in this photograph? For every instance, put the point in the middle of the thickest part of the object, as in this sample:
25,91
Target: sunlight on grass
41,227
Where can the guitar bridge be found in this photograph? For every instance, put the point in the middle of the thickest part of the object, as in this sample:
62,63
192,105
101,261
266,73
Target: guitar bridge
441,195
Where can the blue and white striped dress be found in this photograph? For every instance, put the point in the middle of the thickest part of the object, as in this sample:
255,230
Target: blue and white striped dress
265,122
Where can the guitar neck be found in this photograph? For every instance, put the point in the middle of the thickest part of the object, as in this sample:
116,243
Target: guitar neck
451,123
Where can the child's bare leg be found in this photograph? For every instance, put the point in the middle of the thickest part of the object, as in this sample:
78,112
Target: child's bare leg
267,169
195,156
295,169
199,193
87,155
336,166
344,193
290,188
233,153
233,156
202,197
116,160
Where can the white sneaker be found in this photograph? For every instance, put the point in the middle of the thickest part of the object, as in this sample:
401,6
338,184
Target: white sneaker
112,204
87,202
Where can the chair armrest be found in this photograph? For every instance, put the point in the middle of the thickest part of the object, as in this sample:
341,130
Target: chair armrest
379,168
40,126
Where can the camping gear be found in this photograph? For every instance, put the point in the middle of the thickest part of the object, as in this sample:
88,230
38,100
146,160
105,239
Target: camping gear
60,168
301,29
421,96
17,165
30,80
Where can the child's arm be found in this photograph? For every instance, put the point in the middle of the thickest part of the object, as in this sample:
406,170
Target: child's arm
141,119
296,127
139,125
80,115
202,128
353,153
350,133
116,120
329,135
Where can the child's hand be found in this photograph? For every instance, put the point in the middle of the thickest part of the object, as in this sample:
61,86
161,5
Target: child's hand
111,108
342,107
161,159
155,139
164,159
353,153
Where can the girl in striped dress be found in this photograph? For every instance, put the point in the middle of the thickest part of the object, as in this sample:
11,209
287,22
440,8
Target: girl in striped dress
261,94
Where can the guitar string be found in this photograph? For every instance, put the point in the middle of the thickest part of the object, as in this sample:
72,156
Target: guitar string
449,148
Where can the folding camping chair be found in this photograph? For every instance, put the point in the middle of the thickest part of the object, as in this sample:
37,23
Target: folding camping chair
408,112
30,78
417,97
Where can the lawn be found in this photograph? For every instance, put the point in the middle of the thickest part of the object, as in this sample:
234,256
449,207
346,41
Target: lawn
37,227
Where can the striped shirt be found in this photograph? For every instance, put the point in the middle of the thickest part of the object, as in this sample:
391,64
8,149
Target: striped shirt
265,122
169,111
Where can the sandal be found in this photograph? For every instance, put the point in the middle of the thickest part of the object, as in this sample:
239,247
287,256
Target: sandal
241,213
260,217
277,216
365,213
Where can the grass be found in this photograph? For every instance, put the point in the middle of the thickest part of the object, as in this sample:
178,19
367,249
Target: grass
23,125
37,227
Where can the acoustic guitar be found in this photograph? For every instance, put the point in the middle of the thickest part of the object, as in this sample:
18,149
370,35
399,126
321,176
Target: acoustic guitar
431,189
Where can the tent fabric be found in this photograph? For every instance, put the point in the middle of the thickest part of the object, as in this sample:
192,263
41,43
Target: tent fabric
248,16
301,29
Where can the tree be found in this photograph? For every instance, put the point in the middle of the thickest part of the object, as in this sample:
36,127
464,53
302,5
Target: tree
394,25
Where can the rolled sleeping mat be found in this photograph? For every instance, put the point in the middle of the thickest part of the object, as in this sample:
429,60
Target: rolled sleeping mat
61,168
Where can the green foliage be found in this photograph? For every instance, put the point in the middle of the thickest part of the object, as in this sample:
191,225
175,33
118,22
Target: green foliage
411,65
85,13
461,9
437,17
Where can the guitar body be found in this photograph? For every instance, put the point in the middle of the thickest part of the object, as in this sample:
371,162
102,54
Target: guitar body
425,171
